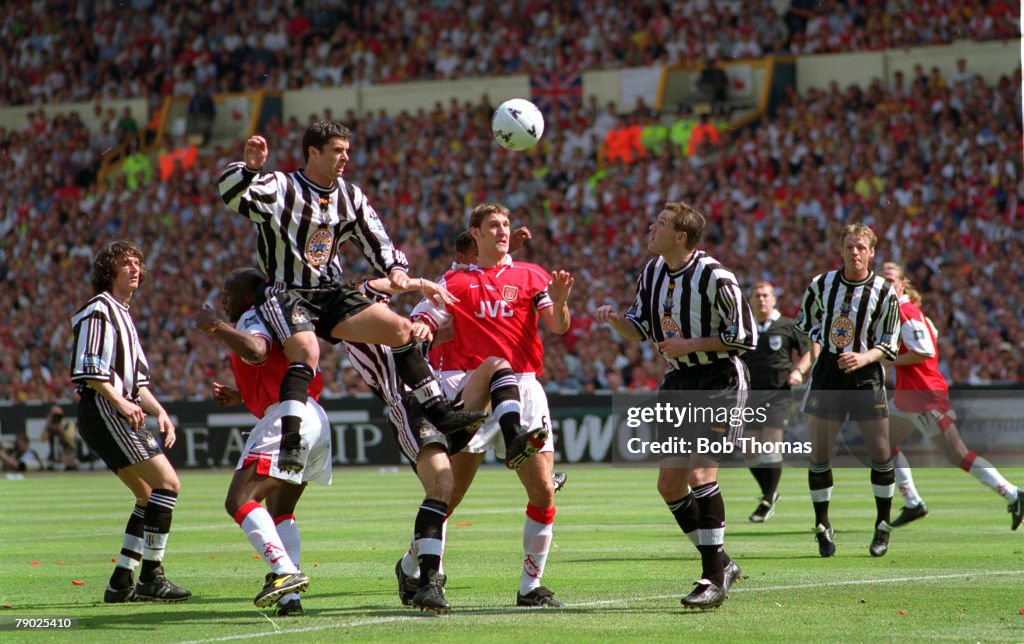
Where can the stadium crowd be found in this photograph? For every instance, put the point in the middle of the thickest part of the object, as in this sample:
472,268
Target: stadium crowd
933,164
57,51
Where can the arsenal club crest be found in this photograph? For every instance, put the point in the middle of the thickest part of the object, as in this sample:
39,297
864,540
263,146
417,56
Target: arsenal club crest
509,293
841,333
318,248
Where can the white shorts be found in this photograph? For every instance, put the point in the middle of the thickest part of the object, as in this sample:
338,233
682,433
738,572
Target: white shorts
264,444
535,412
930,423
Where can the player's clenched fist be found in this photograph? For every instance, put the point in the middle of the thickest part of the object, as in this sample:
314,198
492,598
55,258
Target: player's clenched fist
255,152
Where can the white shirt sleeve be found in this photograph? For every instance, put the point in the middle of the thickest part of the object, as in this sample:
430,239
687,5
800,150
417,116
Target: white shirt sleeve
916,337
432,313
251,324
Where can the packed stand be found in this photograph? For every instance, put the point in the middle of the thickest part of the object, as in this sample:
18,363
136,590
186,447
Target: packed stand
84,51
932,164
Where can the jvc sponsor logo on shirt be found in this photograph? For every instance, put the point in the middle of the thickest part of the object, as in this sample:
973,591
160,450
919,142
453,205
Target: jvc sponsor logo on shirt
498,309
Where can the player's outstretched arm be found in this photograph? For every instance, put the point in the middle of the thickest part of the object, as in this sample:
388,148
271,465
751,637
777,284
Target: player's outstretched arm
607,314
557,317
251,348
238,188
431,290
256,152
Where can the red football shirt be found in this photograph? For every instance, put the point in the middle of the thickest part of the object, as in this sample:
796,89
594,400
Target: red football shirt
497,315
920,386
260,385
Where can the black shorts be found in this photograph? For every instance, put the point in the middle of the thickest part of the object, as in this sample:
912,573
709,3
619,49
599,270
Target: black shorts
774,406
319,310
720,387
108,434
413,432
833,394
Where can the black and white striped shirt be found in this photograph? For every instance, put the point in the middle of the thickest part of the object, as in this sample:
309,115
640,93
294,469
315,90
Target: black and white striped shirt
300,225
376,364
851,316
700,299
106,347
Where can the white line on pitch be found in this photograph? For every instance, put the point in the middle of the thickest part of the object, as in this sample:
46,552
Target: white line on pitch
605,602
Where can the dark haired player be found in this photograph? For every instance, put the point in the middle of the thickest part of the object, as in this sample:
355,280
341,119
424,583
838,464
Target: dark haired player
112,374
302,218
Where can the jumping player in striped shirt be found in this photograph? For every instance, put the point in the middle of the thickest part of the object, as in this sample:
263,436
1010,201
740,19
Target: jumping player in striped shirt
301,219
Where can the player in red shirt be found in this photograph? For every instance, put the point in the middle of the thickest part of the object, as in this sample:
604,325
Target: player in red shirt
259,363
500,304
921,402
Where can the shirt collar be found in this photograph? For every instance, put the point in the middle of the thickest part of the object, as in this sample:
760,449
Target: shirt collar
774,315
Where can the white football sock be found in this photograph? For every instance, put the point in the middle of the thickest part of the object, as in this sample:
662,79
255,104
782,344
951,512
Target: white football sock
905,481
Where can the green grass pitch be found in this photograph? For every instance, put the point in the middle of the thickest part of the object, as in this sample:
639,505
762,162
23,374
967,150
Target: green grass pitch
618,561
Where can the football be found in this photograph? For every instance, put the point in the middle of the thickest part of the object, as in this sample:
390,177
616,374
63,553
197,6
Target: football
517,124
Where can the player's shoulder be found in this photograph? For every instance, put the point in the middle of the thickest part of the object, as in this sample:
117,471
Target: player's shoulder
910,311
250,322
457,276
88,310
784,322
878,281
529,269
354,192
720,272
99,305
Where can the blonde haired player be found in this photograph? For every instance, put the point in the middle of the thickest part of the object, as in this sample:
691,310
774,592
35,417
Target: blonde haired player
921,402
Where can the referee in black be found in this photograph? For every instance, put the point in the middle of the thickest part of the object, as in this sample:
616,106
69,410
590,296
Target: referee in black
852,317
302,218
112,374
693,309
780,361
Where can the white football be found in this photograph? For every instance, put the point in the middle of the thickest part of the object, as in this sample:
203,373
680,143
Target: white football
517,124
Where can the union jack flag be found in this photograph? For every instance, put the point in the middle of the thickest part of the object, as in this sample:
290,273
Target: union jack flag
554,92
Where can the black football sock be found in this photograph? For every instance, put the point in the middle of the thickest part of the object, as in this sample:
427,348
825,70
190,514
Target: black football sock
428,537
506,403
414,371
156,528
819,480
711,532
883,482
294,392
131,550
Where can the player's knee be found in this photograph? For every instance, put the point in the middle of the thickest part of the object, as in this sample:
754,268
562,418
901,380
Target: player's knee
441,488
231,506
401,330
495,363
542,493
670,490
303,347
171,482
